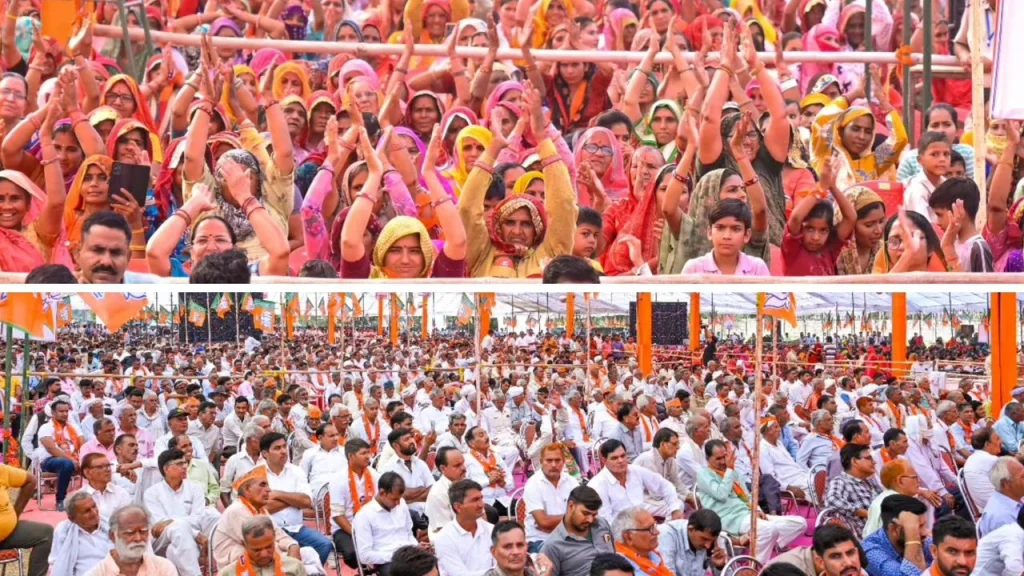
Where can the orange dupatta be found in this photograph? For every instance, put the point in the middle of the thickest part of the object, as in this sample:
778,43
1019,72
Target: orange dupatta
74,204
896,414
367,489
62,441
583,423
647,428
489,465
645,564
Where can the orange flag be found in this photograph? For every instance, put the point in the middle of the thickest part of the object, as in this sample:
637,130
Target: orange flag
114,309
27,312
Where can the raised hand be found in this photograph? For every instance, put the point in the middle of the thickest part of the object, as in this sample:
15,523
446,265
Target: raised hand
495,123
749,51
373,162
532,100
331,141
736,143
202,200
124,204
237,182
430,157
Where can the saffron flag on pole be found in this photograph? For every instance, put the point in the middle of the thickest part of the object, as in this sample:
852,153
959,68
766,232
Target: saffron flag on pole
114,309
357,306
249,303
196,314
64,312
223,305
466,311
24,311
779,305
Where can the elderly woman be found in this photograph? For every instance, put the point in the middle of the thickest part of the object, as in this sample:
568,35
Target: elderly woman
516,240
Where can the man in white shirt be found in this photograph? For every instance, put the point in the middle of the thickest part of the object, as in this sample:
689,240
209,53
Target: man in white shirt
383,525
691,456
623,485
204,431
661,459
371,426
987,447
80,542
59,443
415,473
485,467
178,424
151,417
1001,552
452,465
108,496
463,547
435,416
777,462
243,461
180,518
290,495
547,496
456,434
321,462
234,423
350,490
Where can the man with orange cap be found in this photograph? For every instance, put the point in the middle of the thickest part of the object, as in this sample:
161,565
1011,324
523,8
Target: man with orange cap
253,493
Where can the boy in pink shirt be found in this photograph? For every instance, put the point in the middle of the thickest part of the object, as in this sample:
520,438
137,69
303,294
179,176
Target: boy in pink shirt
729,229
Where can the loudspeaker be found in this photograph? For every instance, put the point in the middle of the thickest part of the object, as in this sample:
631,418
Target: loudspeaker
670,324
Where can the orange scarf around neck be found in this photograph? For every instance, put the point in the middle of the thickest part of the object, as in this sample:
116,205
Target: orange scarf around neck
62,440
367,479
646,565
490,464
244,565
897,414
736,488
373,433
583,423
248,505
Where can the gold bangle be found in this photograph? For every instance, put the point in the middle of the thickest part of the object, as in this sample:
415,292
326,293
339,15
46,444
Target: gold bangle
909,542
138,230
138,247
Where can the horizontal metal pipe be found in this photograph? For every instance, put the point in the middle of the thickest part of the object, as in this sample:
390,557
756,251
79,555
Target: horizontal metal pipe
437,50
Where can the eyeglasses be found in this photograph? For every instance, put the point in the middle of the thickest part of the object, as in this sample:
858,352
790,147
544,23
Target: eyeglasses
595,149
8,94
653,530
113,97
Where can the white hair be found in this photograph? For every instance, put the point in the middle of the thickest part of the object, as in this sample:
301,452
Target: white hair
338,409
945,406
642,402
1001,472
625,521
818,416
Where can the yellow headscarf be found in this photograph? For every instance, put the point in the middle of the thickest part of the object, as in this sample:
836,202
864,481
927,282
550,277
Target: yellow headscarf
524,181
292,68
459,171
540,21
815,98
751,6
397,228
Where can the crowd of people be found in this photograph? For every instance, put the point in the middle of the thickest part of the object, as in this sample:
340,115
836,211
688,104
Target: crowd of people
125,161
295,457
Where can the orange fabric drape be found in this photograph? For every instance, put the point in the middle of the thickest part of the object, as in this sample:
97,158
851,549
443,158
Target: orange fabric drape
1003,336
425,329
694,322
643,333
394,319
570,315
899,334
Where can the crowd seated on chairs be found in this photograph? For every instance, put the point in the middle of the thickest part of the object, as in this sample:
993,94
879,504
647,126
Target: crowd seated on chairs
451,488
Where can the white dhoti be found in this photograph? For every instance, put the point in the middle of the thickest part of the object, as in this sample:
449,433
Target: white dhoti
177,542
774,531
508,449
